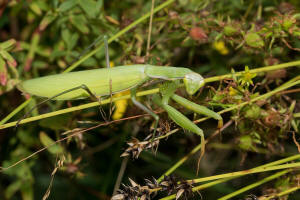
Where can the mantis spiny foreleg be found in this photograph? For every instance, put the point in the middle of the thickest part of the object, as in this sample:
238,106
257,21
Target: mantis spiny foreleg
167,91
144,108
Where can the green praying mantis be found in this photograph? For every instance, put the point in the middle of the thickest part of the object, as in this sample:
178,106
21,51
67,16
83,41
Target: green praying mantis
97,83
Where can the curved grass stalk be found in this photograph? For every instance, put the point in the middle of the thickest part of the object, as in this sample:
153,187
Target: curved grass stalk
88,55
290,190
213,183
246,172
256,184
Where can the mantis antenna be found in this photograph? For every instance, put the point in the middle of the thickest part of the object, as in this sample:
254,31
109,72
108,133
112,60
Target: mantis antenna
110,81
106,51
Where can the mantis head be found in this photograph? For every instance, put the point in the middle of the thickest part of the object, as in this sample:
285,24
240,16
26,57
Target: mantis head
193,81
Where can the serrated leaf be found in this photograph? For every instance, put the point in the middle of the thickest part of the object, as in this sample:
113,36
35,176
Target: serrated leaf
48,142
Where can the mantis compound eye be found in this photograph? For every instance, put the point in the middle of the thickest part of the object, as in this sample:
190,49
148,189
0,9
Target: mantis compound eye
193,81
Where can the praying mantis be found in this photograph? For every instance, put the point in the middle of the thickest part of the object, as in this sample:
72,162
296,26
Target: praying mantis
96,83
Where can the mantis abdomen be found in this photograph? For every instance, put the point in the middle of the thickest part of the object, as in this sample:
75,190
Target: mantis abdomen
99,81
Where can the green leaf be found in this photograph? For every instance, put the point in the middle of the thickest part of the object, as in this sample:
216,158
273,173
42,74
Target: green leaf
3,72
35,8
67,5
254,40
12,189
80,23
48,18
8,45
90,7
90,62
230,30
69,39
60,122
252,112
27,191
47,141
10,60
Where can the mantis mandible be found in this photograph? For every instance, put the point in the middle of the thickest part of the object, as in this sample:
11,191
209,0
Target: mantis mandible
96,83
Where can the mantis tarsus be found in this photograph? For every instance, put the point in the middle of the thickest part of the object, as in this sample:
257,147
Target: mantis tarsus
107,81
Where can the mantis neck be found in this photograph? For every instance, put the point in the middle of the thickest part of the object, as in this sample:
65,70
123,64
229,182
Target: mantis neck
166,73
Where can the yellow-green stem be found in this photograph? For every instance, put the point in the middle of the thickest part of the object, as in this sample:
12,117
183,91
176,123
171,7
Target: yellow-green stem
288,191
251,186
207,185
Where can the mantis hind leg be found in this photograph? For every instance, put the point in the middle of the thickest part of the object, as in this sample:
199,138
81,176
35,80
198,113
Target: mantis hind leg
144,108
81,87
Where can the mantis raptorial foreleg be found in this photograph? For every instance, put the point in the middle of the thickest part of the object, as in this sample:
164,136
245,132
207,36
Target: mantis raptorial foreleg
198,109
167,91
108,66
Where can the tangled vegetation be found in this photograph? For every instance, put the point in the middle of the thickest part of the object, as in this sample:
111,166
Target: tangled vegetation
248,52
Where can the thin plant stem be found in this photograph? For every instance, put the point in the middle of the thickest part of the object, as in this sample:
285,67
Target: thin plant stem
246,172
288,191
256,184
213,183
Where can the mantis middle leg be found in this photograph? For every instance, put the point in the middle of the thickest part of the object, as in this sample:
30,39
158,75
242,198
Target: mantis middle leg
81,87
144,108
